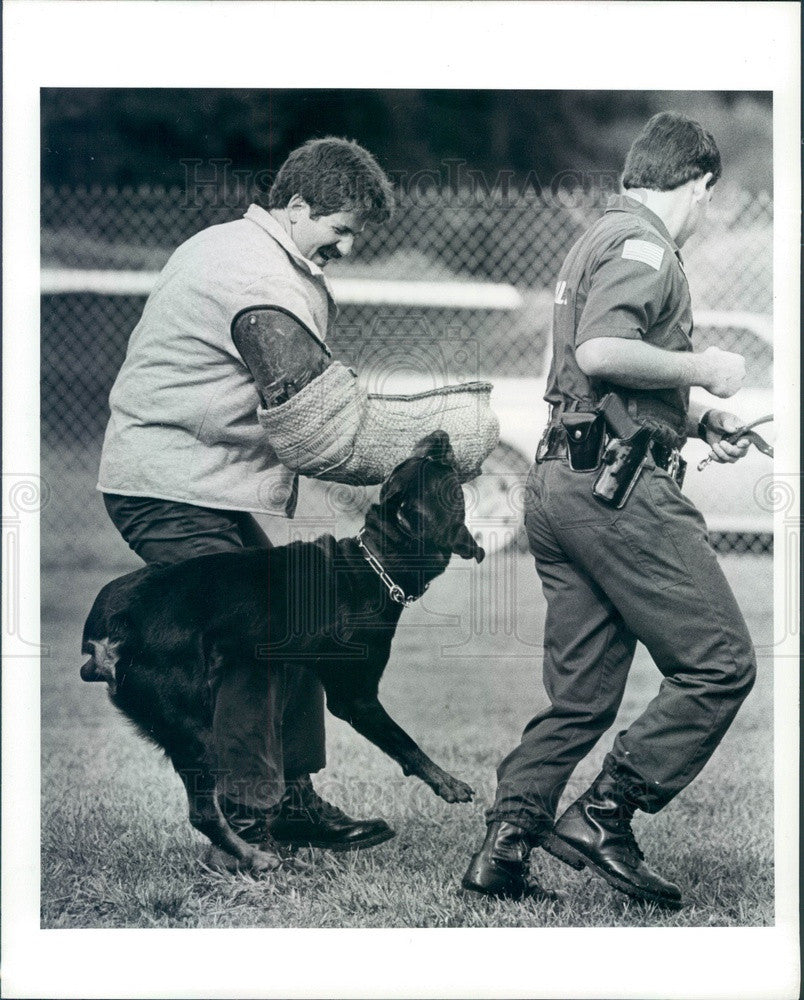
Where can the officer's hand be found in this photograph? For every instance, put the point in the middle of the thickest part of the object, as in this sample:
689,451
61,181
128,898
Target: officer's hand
723,371
717,424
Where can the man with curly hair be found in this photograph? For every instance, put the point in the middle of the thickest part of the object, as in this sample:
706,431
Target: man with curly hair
186,464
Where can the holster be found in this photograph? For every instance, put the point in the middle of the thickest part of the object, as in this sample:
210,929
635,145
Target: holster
625,453
611,437
622,463
584,439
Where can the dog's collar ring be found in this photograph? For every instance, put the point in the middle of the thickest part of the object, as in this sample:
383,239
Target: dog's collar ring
395,592
398,595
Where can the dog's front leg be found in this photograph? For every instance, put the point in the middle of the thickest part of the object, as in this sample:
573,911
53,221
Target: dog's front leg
369,718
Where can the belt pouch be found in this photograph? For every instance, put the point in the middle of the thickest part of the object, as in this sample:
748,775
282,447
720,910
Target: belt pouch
584,439
622,463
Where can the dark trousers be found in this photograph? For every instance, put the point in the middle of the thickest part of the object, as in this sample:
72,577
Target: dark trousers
611,578
264,735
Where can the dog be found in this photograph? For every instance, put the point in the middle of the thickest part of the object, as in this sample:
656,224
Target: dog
159,637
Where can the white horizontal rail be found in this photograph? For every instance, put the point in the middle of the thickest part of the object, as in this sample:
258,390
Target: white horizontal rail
347,291
60,281
430,294
370,291
722,523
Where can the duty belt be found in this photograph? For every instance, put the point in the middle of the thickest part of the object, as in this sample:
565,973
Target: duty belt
553,445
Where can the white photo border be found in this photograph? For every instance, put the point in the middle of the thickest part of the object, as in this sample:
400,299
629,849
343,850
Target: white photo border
591,46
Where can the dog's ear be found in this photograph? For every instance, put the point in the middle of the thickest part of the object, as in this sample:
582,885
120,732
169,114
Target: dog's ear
437,447
441,449
464,545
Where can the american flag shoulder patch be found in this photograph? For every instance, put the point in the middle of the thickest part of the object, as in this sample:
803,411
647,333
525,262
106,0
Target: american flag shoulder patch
642,250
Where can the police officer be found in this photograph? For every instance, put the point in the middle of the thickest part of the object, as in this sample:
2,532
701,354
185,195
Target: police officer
632,563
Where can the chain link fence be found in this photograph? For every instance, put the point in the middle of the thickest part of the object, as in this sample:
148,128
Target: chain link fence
436,236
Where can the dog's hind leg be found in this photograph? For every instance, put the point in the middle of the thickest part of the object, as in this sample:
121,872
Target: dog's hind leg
207,818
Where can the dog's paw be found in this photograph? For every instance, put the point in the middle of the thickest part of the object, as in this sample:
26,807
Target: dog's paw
263,861
271,857
258,862
452,790
220,862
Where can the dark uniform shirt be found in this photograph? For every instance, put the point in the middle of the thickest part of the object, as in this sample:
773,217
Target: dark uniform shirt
623,278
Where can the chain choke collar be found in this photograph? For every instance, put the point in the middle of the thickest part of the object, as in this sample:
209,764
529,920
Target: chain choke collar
394,590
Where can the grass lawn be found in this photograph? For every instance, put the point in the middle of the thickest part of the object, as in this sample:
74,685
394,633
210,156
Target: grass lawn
464,678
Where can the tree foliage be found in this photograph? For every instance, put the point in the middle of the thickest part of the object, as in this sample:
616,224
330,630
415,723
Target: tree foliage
132,136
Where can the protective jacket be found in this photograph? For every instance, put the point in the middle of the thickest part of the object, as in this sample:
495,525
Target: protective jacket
183,422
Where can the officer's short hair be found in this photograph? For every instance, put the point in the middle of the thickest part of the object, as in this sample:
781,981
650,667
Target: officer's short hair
334,175
669,151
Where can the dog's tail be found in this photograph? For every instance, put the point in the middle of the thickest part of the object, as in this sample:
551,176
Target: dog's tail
105,631
101,664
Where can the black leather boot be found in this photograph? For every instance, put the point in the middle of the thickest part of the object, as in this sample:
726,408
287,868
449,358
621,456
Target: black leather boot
595,831
306,820
500,867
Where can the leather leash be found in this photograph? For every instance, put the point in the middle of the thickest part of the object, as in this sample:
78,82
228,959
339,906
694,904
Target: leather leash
745,432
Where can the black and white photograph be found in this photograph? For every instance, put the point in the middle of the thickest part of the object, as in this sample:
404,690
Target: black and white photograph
415,508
